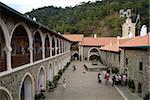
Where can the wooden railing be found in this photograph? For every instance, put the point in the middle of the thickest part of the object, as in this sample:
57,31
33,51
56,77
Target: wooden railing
20,59
3,66
47,54
37,56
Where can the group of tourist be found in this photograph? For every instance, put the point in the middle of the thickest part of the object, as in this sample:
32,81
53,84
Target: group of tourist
117,79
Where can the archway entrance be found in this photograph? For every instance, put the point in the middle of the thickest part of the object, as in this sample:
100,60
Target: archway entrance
27,89
4,95
20,44
3,66
94,54
94,57
41,79
75,56
50,73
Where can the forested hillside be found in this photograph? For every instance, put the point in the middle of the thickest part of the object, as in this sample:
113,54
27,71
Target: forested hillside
100,17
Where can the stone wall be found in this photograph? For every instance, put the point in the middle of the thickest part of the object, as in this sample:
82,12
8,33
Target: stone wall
12,81
134,73
110,59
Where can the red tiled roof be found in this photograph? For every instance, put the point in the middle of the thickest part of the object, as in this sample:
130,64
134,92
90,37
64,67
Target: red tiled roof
99,41
137,41
74,37
110,47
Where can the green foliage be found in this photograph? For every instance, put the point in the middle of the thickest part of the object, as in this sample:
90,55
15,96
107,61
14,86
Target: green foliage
131,85
147,96
100,17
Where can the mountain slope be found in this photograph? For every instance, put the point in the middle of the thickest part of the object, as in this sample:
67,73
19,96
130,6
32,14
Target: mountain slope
100,17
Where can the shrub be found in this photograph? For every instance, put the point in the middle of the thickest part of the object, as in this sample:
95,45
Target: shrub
147,96
131,85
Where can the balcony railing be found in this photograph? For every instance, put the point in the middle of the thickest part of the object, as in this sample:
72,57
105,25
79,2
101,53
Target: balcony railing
3,66
37,56
20,59
47,54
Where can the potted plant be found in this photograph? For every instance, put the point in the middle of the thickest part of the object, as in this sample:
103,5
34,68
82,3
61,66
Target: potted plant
131,85
50,86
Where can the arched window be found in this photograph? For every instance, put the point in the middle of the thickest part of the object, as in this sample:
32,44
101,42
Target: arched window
37,45
139,87
53,46
47,46
3,66
20,44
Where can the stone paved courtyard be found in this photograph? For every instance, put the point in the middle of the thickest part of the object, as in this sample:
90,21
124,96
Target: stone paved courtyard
83,86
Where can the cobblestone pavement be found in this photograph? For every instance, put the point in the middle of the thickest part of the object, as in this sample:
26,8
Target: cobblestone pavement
83,86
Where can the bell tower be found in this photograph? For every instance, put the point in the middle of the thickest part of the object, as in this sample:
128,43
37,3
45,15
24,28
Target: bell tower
128,28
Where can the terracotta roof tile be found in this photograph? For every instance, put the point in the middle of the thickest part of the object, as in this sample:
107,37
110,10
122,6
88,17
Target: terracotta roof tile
99,41
110,47
138,41
74,37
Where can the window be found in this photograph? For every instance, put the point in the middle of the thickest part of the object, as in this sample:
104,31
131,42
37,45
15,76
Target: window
126,61
140,88
140,66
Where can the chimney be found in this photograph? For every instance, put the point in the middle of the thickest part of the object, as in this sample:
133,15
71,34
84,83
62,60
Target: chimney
94,35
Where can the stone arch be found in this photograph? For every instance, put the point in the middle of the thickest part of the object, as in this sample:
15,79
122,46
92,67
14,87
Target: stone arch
59,64
41,78
25,26
20,42
53,45
50,72
27,89
5,94
47,45
90,54
55,67
38,44
75,55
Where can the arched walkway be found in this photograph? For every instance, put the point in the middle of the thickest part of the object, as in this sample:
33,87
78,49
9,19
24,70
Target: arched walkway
5,94
37,45
20,43
47,47
27,90
53,46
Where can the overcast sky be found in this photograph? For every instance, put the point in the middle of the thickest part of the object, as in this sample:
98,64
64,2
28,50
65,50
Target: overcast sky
27,5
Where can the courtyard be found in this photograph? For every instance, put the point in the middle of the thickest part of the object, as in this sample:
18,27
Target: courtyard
83,85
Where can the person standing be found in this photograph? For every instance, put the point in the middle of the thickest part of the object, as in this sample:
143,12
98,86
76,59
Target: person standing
74,68
113,80
99,77
64,83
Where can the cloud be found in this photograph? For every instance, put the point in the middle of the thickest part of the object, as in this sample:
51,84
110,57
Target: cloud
27,5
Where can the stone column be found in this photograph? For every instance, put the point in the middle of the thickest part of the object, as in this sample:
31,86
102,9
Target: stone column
59,46
31,54
56,47
43,52
8,57
51,48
